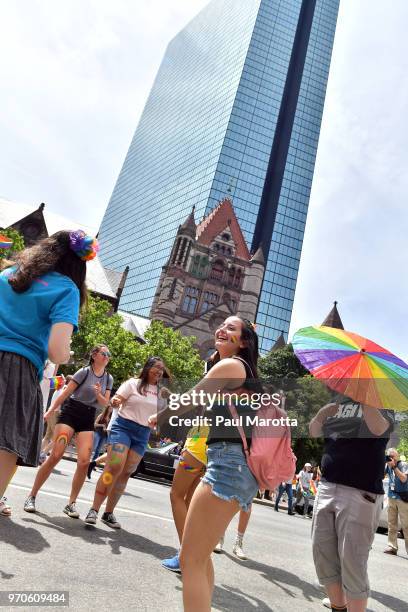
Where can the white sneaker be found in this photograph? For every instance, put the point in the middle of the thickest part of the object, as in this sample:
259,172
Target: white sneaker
219,547
71,511
238,552
91,517
29,504
326,603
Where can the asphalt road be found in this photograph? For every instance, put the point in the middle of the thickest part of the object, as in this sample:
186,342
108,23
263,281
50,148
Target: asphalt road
120,570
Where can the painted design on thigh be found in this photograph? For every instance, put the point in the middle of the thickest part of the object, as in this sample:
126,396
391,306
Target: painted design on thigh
119,448
193,470
62,438
115,459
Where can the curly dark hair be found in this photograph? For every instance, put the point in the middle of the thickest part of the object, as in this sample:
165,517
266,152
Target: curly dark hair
52,254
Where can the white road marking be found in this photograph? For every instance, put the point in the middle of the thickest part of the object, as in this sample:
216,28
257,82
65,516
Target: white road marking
89,501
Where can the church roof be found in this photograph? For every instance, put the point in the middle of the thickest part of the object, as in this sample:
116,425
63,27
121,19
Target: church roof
219,219
280,343
333,318
189,224
98,279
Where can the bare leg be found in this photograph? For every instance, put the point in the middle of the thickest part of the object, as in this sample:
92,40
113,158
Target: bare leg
132,461
336,595
7,469
62,436
182,490
84,441
243,521
207,519
116,459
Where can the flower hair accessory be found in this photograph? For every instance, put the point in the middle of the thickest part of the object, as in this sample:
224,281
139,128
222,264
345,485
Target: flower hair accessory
84,246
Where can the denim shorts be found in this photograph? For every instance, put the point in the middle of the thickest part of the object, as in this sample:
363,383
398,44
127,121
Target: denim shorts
229,475
131,434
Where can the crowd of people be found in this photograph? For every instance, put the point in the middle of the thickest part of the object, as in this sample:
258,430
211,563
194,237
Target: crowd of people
212,482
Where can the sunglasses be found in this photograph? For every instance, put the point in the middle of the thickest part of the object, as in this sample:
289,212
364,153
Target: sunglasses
105,353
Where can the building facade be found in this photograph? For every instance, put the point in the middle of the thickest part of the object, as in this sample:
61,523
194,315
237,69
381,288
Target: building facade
209,276
235,111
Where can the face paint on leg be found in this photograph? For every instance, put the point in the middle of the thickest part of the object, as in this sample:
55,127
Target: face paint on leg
115,459
62,438
118,448
107,478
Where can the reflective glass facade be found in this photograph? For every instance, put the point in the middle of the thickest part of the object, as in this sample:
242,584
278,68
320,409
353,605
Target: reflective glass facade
207,131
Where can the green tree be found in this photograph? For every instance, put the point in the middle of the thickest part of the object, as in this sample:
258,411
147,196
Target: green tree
305,395
18,242
177,351
403,444
98,325
280,364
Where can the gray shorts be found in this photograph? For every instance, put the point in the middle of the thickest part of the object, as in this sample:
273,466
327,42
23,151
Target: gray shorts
343,528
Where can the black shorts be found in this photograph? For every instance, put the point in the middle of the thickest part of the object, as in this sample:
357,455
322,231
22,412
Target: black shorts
77,415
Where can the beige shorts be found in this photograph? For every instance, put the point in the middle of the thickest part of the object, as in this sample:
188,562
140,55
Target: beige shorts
343,529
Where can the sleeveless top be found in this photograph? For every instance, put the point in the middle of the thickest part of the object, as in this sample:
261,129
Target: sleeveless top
225,431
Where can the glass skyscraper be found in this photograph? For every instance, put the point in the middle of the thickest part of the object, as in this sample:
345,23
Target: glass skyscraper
235,110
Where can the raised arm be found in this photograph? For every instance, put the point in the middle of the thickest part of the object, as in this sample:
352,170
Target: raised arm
316,424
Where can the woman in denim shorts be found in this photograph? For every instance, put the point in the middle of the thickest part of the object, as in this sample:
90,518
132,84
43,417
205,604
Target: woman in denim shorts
228,484
128,438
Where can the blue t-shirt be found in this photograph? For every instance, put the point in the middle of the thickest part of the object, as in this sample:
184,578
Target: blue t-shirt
26,318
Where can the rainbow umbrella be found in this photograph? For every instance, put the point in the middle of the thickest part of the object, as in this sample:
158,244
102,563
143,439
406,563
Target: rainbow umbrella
353,366
5,242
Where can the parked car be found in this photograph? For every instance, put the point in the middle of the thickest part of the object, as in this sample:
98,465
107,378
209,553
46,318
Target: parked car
161,461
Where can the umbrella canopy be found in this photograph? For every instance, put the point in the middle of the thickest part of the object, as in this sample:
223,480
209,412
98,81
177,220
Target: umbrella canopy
354,366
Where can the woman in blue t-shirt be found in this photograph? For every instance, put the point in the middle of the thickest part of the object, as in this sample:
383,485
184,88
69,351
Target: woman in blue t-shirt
41,292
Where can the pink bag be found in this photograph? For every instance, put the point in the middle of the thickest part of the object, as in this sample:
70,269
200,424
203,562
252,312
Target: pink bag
271,459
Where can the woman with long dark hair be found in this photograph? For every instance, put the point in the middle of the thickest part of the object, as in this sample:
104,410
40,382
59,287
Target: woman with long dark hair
128,438
228,484
89,388
41,291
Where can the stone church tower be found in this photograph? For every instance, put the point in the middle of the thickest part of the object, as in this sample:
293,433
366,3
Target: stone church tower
209,276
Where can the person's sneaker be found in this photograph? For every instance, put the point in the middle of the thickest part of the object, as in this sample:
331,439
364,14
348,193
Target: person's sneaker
91,517
172,564
91,468
29,504
390,551
276,509
109,519
71,511
238,552
292,513
219,547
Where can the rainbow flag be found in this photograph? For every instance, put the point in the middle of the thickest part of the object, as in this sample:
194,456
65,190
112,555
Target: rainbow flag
56,382
5,242
313,488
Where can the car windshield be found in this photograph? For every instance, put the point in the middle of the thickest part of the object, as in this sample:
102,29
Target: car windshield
165,449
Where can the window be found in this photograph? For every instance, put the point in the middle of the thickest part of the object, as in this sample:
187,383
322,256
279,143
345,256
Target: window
217,271
209,300
190,300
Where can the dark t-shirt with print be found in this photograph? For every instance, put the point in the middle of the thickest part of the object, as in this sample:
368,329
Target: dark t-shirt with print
353,456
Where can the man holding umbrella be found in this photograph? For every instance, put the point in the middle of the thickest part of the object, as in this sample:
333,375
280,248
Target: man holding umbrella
349,499
371,382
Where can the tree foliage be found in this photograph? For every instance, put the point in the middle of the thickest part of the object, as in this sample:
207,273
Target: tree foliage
305,395
99,326
18,242
403,431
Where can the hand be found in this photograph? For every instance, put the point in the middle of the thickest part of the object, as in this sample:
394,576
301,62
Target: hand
97,388
115,402
165,393
48,414
152,421
392,463
330,410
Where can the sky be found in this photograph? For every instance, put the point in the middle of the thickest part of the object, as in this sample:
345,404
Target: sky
74,79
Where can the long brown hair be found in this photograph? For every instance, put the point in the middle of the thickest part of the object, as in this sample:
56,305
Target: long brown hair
52,254
144,374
